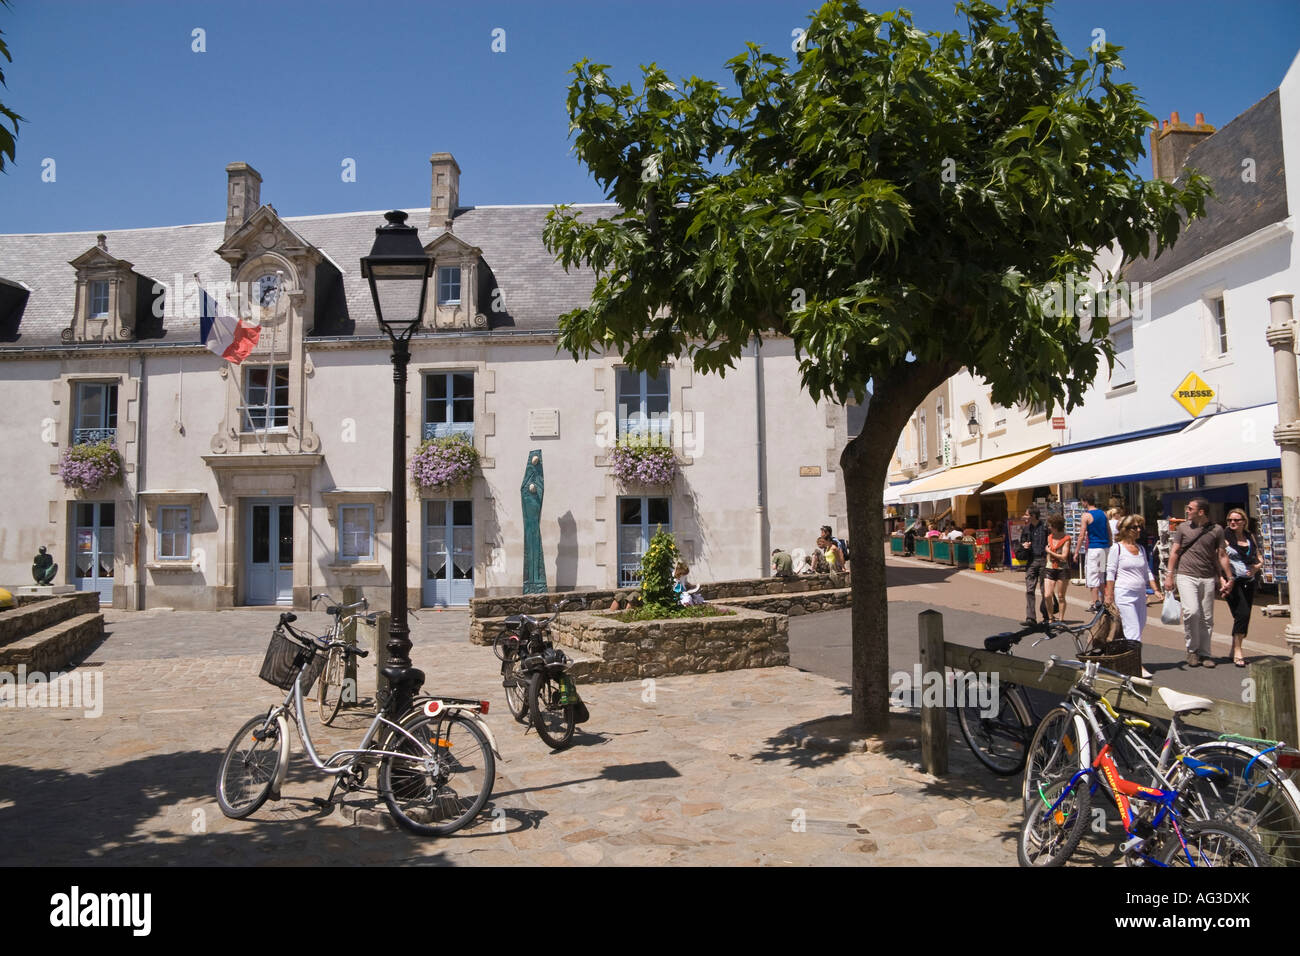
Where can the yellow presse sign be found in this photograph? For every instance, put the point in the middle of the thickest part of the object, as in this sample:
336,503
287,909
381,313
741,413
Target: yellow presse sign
1193,394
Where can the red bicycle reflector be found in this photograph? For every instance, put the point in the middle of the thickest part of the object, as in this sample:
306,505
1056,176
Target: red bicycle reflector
433,708
483,706
1289,760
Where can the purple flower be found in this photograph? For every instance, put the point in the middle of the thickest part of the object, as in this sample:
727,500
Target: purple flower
442,462
91,465
640,462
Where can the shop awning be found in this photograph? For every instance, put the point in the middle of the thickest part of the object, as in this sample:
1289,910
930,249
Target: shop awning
893,492
1230,441
968,479
1240,440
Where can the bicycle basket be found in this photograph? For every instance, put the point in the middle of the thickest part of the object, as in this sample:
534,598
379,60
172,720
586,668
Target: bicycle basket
1122,656
282,660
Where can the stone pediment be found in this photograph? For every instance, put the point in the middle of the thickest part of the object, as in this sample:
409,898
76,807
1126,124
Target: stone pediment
97,258
451,246
263,231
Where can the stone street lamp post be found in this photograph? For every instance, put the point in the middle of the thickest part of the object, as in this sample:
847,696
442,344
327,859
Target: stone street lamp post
398,271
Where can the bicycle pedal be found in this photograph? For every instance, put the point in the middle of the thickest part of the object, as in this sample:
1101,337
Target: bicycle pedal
1132,845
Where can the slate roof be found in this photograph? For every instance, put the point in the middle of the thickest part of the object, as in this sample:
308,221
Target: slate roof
535,288
1238,208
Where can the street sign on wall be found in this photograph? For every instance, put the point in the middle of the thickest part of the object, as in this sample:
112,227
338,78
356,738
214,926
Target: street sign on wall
1193,394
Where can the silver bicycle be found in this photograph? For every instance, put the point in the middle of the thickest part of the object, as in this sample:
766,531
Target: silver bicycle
436,762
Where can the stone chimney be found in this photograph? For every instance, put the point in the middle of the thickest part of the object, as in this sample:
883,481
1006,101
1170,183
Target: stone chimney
446,190
1171,143
243,195
101,241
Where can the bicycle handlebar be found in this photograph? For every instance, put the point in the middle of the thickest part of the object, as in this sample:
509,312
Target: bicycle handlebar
1091,669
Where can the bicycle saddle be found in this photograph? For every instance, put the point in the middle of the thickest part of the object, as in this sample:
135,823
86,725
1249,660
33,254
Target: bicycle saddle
1184,703
1002,642
405,675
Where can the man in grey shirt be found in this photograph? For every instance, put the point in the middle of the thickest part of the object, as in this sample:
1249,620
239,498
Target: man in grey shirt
1198,563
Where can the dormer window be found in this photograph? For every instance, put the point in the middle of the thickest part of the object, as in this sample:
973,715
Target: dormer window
449,285
99,299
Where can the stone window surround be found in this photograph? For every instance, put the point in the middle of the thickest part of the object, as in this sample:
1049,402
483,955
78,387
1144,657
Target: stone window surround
484,421
128,397
118,323
153,501
685,520
1213,358
377,499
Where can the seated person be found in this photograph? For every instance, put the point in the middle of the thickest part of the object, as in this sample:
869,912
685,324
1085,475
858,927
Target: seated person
687,593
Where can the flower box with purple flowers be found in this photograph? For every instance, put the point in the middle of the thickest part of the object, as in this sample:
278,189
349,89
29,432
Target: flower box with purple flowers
88,467
443,462
642,461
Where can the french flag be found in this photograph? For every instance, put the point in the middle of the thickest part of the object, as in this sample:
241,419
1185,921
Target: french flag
231,338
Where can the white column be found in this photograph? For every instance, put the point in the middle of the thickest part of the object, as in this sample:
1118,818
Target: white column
1281,336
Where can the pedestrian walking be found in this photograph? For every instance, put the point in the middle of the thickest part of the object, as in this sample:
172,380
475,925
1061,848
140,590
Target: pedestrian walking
1034,534
1128,571
1244,559
1094,544
1198,566
1058,565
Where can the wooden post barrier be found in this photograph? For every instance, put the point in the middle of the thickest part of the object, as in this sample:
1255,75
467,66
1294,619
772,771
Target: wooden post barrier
934,720
1275,705
376,635
351,595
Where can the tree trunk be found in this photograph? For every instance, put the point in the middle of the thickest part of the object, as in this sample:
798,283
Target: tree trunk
865,463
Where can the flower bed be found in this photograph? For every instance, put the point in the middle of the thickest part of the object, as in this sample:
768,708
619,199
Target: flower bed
443,462
89,467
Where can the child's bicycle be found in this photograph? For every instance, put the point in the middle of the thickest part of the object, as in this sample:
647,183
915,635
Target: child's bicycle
1165,821
435,762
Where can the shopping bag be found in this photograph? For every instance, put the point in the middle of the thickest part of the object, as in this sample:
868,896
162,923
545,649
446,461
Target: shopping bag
1172,611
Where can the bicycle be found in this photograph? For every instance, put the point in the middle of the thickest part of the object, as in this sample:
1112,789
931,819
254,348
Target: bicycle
1000,742
333,677
1061,776
436,762
539,691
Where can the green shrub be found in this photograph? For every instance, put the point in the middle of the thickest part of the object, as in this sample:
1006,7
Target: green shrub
657,570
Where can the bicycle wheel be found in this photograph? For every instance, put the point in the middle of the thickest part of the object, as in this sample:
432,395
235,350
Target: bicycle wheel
1059,748
553,720
1213,843
444,777
330,696
999,741
248,769
1263,804
1048,836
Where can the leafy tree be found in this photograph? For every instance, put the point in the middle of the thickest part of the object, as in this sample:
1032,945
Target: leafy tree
6,136
894,202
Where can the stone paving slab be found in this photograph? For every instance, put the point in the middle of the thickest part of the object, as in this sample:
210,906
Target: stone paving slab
692,770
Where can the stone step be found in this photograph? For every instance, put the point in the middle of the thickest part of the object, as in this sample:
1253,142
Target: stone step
28,619
53,647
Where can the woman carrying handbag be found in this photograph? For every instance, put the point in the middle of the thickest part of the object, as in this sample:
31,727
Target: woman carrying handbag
1243,558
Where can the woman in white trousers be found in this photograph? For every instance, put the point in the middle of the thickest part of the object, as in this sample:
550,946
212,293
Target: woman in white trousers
1128,571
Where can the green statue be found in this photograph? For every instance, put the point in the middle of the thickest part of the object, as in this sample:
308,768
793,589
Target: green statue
44,568
531,493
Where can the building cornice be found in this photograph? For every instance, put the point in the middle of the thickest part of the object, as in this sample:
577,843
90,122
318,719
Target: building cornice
1223,254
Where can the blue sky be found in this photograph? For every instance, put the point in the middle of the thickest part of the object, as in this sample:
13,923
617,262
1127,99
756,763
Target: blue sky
140,126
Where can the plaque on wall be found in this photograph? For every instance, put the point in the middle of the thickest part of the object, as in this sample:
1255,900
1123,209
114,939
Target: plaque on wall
543,423
809,471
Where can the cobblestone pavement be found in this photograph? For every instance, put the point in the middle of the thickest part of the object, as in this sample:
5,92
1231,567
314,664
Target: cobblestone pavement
688,770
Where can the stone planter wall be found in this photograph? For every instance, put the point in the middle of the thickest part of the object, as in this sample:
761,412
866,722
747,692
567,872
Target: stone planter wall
681,646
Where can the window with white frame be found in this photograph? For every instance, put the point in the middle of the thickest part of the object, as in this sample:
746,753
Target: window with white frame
643,404
356,524
638,519
99,298
266,397
1123,372
95,413
922,441
1218,326
449,285
940,421
173,531
449,404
